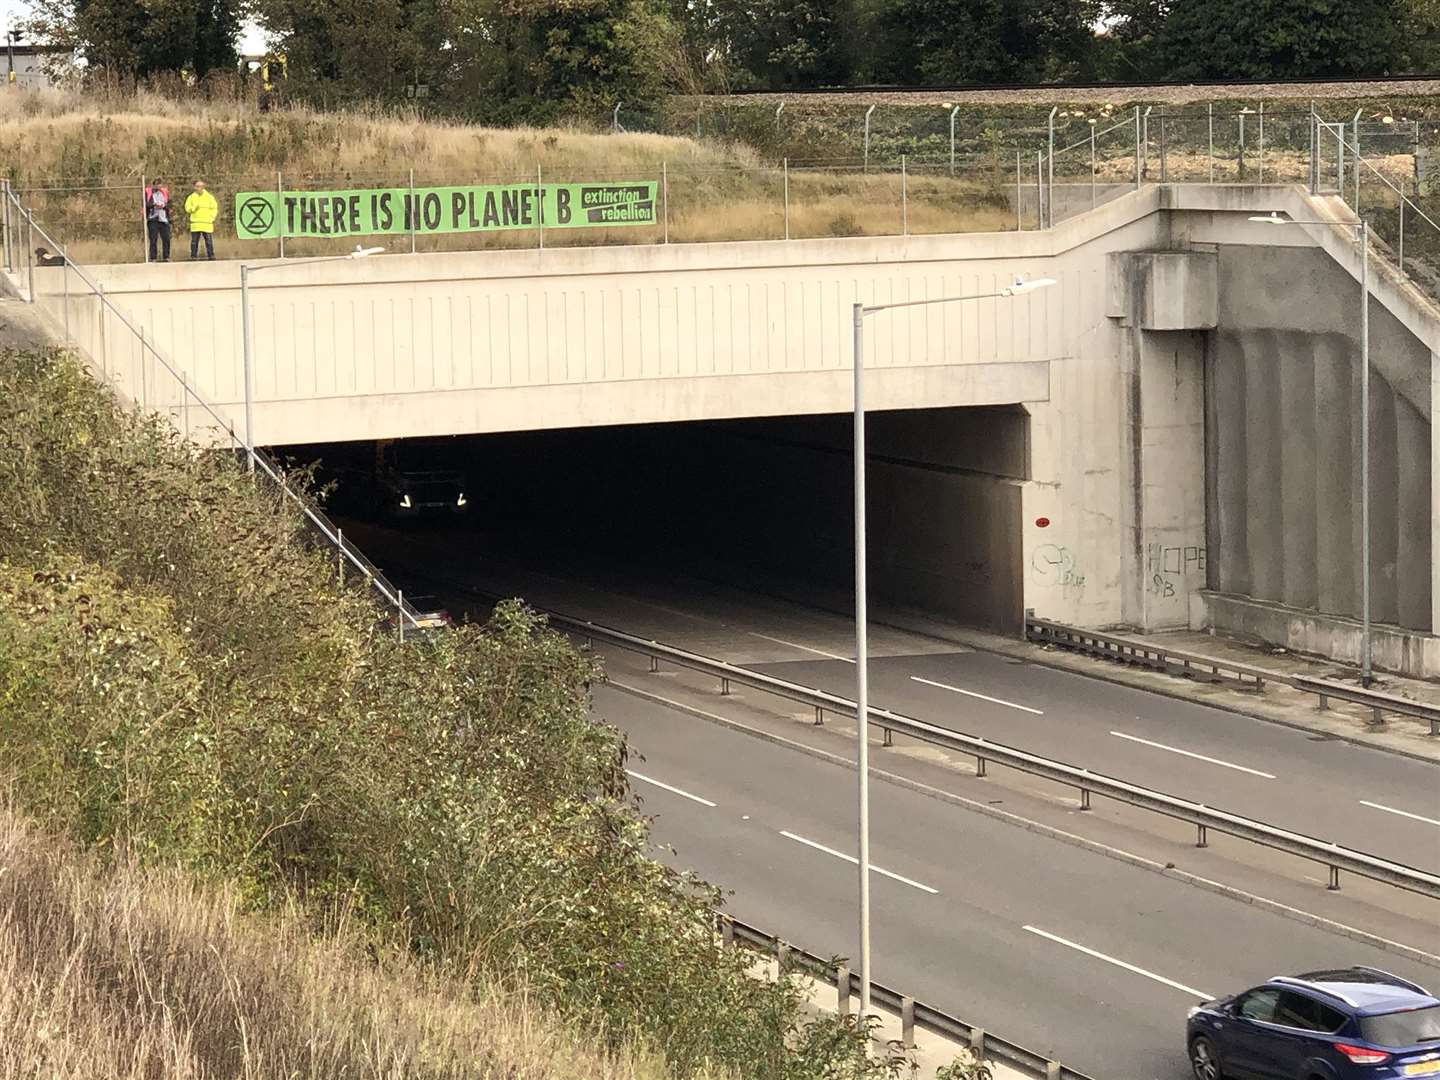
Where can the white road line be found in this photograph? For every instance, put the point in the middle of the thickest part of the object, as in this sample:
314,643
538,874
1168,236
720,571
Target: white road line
797,645
667,787
972,693
852,859
1402,813
1192,754
1200,994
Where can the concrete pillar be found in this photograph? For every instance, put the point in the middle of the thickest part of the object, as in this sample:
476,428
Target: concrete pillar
1384,504
1337,507
1229,543
1297,470
1264,449
1413,569
1434,492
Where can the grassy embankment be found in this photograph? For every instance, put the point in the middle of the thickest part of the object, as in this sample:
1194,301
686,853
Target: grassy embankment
82,160
316,847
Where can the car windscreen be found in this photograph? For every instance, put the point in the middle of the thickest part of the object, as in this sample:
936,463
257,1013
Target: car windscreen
1402,1028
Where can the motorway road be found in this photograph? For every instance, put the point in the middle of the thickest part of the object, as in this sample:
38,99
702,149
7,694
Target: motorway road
1335,790
1087,958
1329,788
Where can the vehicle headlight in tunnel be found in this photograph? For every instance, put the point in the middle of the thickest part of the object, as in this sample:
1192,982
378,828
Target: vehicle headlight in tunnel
405,502
461,501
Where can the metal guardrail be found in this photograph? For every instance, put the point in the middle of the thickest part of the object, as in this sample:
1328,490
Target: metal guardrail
1206,819
1140,653
985,1045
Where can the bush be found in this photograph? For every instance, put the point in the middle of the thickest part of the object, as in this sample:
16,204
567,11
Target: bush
182,680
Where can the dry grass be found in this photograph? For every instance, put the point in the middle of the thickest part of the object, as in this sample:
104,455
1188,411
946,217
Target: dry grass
135,974
80,160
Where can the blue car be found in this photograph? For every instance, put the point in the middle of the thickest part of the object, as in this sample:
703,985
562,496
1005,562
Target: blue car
1354,1023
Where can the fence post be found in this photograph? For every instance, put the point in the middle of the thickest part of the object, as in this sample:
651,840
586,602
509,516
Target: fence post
1092,164
904,199
280,209
1402,234
144,218
1355,125
5,222
65,277
665,201
1019,220
1145,143
615,119
842,990
414,211
1050,165
868,111
1137,147
786,167
1210,121
1260,148
907,1022
1040,189
1164,173
953,111
30,254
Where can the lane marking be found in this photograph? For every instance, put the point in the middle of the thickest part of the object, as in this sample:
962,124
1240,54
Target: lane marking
1121,963
667,787
1402,813
856,862
1197,757
797,645
972,693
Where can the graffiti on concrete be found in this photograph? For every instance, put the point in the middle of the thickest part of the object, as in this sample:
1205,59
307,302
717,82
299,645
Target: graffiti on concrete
1054,564
1166,567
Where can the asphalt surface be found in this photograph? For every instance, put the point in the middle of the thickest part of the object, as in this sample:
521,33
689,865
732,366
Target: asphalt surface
1334,790
983,918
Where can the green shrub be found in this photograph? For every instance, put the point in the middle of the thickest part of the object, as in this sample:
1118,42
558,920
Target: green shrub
183,680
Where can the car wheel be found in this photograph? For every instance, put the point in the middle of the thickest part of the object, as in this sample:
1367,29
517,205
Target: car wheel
1204,1061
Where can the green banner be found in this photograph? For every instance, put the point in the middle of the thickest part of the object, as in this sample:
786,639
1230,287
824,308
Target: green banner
487,208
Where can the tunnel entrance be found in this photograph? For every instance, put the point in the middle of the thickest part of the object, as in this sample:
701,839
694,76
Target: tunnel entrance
761,505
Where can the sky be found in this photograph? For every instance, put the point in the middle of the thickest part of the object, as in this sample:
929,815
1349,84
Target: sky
12,11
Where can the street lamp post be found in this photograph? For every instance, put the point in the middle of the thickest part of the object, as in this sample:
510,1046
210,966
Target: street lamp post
862,645
1367,649
245,271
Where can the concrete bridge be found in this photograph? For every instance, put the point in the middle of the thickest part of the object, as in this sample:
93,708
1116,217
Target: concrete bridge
1167,437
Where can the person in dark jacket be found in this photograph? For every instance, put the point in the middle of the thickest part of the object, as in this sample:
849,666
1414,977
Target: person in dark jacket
157,219
44,258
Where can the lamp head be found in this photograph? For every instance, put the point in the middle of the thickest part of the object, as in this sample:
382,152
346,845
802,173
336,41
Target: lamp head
1020,285
1272,218
361,253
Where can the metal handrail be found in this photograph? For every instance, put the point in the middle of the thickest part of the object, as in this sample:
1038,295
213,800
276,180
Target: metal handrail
267,465
1176,662
1335,857
913,1014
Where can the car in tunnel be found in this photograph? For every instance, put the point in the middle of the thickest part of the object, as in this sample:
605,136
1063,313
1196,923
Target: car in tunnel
1356,1023
393,482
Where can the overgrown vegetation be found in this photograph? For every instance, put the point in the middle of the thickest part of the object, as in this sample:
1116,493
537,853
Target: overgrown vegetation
184,684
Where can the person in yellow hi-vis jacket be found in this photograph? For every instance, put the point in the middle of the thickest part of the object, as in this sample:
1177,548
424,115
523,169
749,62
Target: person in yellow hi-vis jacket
202,210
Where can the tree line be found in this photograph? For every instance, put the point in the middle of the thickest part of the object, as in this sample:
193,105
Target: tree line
538,59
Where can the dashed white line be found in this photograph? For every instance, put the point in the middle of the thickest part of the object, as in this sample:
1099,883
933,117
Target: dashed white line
854,861
1199,994
972,693
667,787
1192,754
1402,813
797,645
